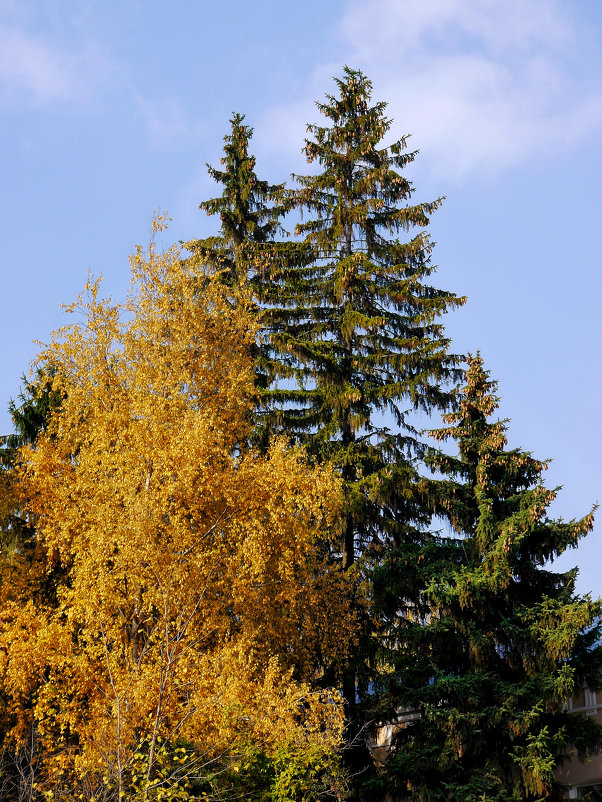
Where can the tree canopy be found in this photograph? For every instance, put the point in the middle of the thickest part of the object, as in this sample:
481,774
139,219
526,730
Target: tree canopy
228,557
504,640
196,603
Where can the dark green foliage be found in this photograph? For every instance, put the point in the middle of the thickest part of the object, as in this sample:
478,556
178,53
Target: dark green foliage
38,400
352,336
500,641
354,344
248,209
354,325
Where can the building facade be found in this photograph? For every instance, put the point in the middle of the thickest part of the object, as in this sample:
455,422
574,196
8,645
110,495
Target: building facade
584,777
581,777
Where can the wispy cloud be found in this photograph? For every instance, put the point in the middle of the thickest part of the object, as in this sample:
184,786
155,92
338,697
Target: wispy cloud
168,123
29,64
35,69
70,64
481,85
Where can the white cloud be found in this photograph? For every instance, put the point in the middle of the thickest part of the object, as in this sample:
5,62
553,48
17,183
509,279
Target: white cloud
60,66
481,84
167,121
29,64
412,27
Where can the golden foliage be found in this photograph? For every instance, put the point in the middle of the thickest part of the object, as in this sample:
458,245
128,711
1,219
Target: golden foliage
196,594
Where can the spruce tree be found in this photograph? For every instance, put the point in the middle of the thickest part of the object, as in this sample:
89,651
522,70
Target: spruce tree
355,331
249,209
355,345
246,248
352,331
39,399
484,668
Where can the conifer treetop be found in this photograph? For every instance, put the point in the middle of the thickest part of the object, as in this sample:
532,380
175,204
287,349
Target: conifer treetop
360,185
242,205
358,326
500,640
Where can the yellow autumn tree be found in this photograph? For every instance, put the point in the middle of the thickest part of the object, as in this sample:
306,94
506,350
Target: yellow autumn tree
196,606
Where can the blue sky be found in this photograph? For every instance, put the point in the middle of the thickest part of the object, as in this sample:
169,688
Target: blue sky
109,111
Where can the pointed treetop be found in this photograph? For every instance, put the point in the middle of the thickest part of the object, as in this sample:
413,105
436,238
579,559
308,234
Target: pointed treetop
361,194
478,402
245,206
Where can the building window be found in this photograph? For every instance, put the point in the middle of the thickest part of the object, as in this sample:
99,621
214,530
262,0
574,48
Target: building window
590,698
